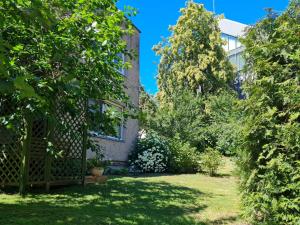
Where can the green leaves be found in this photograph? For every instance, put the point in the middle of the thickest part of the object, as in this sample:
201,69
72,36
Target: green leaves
6,87
26,90
18,48
50,49
104,43
193,57
269,156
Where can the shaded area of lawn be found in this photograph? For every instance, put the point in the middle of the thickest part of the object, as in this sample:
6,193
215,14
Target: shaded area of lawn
118,202
182,200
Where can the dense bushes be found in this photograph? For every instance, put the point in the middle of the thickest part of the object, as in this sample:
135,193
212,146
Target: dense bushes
151,154
223,111
185,118
157,154
269,159
184,157
192,124
201,121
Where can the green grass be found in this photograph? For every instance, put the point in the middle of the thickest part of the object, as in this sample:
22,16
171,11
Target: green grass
157,200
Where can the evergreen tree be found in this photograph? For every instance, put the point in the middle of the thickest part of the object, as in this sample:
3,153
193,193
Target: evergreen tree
270,154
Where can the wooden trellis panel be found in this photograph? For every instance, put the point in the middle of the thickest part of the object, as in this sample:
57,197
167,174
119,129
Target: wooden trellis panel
10,160
69,138
37,152
10,150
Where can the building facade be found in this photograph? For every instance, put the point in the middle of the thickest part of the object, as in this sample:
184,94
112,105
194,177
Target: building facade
231,32
119,143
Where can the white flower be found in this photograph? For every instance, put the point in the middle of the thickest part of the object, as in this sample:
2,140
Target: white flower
94,24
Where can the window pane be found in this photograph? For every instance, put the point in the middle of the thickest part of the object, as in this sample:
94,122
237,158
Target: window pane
115,121
121,59
231,43
241,61
106,119
94,114
225,38
232,59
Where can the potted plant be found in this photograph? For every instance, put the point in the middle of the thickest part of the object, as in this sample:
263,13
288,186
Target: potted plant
96,165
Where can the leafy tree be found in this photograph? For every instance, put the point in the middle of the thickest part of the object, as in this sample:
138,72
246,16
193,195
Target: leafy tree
270,153
185,117
192,57
193,68
51,48
148,107
225,121
214,121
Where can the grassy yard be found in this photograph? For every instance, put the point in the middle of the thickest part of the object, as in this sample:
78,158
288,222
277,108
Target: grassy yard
157,200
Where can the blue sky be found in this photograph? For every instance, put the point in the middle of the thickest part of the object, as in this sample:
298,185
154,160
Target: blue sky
155,16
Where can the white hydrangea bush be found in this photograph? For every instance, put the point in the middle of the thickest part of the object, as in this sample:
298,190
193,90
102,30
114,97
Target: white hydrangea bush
151,154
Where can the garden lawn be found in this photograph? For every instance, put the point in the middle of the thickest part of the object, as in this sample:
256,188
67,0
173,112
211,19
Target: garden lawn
157,200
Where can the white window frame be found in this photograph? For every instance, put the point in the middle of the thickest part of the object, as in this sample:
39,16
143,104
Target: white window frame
227,37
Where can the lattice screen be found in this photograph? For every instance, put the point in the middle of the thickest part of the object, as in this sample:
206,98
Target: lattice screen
10,151
37,154
68,139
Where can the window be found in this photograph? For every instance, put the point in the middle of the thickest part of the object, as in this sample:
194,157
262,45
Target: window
241,61
231,43
106,120
237,60
121,59
225,38
232,59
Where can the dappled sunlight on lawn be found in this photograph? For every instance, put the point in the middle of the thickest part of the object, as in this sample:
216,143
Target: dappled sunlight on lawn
174,199
121,201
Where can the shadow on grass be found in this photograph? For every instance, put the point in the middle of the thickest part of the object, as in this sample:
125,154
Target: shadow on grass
117,202
221,175
225,220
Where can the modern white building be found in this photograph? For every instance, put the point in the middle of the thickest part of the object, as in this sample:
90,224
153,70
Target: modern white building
231,32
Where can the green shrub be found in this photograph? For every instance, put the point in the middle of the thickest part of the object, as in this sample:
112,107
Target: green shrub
184,157
224,113
211,160
151,154
227,140
269,159
201,121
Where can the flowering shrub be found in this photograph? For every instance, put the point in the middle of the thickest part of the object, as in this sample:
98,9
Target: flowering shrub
151,155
